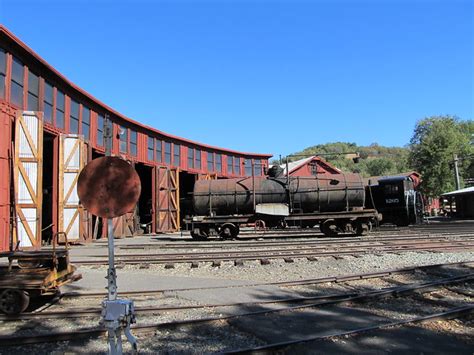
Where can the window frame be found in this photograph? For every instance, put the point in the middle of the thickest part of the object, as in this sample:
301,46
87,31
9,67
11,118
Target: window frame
237,166
191,155
198,159
176,146
158,148
152,140
3,74
13,82
58,109
168,155
72,118
132,143
211,161
230,165
100,130
36,94
46,84
82,122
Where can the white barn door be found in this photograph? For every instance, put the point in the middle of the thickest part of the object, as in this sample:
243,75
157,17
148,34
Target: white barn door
28,177
71,161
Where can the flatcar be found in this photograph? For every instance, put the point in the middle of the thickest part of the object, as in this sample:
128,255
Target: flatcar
334,202
396,199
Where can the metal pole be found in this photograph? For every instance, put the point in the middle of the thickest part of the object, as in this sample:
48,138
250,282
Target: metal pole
456,172
111,275
253,186
288,185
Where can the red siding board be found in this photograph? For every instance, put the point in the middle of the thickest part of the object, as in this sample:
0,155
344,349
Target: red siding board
5,178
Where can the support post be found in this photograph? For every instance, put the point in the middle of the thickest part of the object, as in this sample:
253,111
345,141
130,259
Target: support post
253,186
456,172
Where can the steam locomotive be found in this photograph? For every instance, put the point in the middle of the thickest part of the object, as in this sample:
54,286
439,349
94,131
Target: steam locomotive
396,199
334,202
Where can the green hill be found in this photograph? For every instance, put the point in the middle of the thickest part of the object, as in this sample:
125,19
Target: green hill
374,159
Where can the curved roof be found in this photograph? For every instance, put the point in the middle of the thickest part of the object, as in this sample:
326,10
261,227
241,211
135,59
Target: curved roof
42,62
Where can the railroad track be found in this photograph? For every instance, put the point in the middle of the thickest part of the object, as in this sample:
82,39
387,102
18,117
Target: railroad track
334,249
73,313
306,241
348,299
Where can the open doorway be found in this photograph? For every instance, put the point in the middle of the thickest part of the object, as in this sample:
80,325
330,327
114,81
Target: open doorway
47,186
186,187
145,203
97,222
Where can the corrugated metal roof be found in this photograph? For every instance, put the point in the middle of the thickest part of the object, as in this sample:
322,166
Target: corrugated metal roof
467,190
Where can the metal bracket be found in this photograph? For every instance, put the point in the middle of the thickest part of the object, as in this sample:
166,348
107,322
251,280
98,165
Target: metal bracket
118,315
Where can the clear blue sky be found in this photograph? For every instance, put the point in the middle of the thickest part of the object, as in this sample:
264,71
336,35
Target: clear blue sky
262,76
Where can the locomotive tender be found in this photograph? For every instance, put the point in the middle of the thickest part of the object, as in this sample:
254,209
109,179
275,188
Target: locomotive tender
334,202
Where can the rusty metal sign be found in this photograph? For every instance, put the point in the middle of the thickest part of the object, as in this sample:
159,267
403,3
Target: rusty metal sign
109,187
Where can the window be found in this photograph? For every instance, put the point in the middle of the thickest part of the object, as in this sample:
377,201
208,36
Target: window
123,134
236,166
100,130
86,122
391,189
151,148
74,117
33,92
313,167
3,72
219,163
210,161
248,167
168,153
230,164
159,151
17,83
257,168
190,158
133,143
48,102
60,109
176,155
198,159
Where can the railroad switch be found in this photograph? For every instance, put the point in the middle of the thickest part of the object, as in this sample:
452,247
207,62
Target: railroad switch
118,315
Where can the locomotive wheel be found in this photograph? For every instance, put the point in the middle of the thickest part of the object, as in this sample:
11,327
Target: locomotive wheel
362,228
13,301
329,228
228,231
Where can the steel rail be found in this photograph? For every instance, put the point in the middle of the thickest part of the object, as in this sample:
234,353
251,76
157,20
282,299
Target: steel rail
316,245
258,255
74,313
449,314
8,340
344,278
325,241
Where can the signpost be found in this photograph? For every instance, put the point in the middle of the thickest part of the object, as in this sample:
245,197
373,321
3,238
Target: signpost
109,187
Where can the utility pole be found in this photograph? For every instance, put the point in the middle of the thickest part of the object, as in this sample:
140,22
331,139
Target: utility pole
456,172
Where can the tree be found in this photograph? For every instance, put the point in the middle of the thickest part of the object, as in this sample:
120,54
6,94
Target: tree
379,166
435,141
